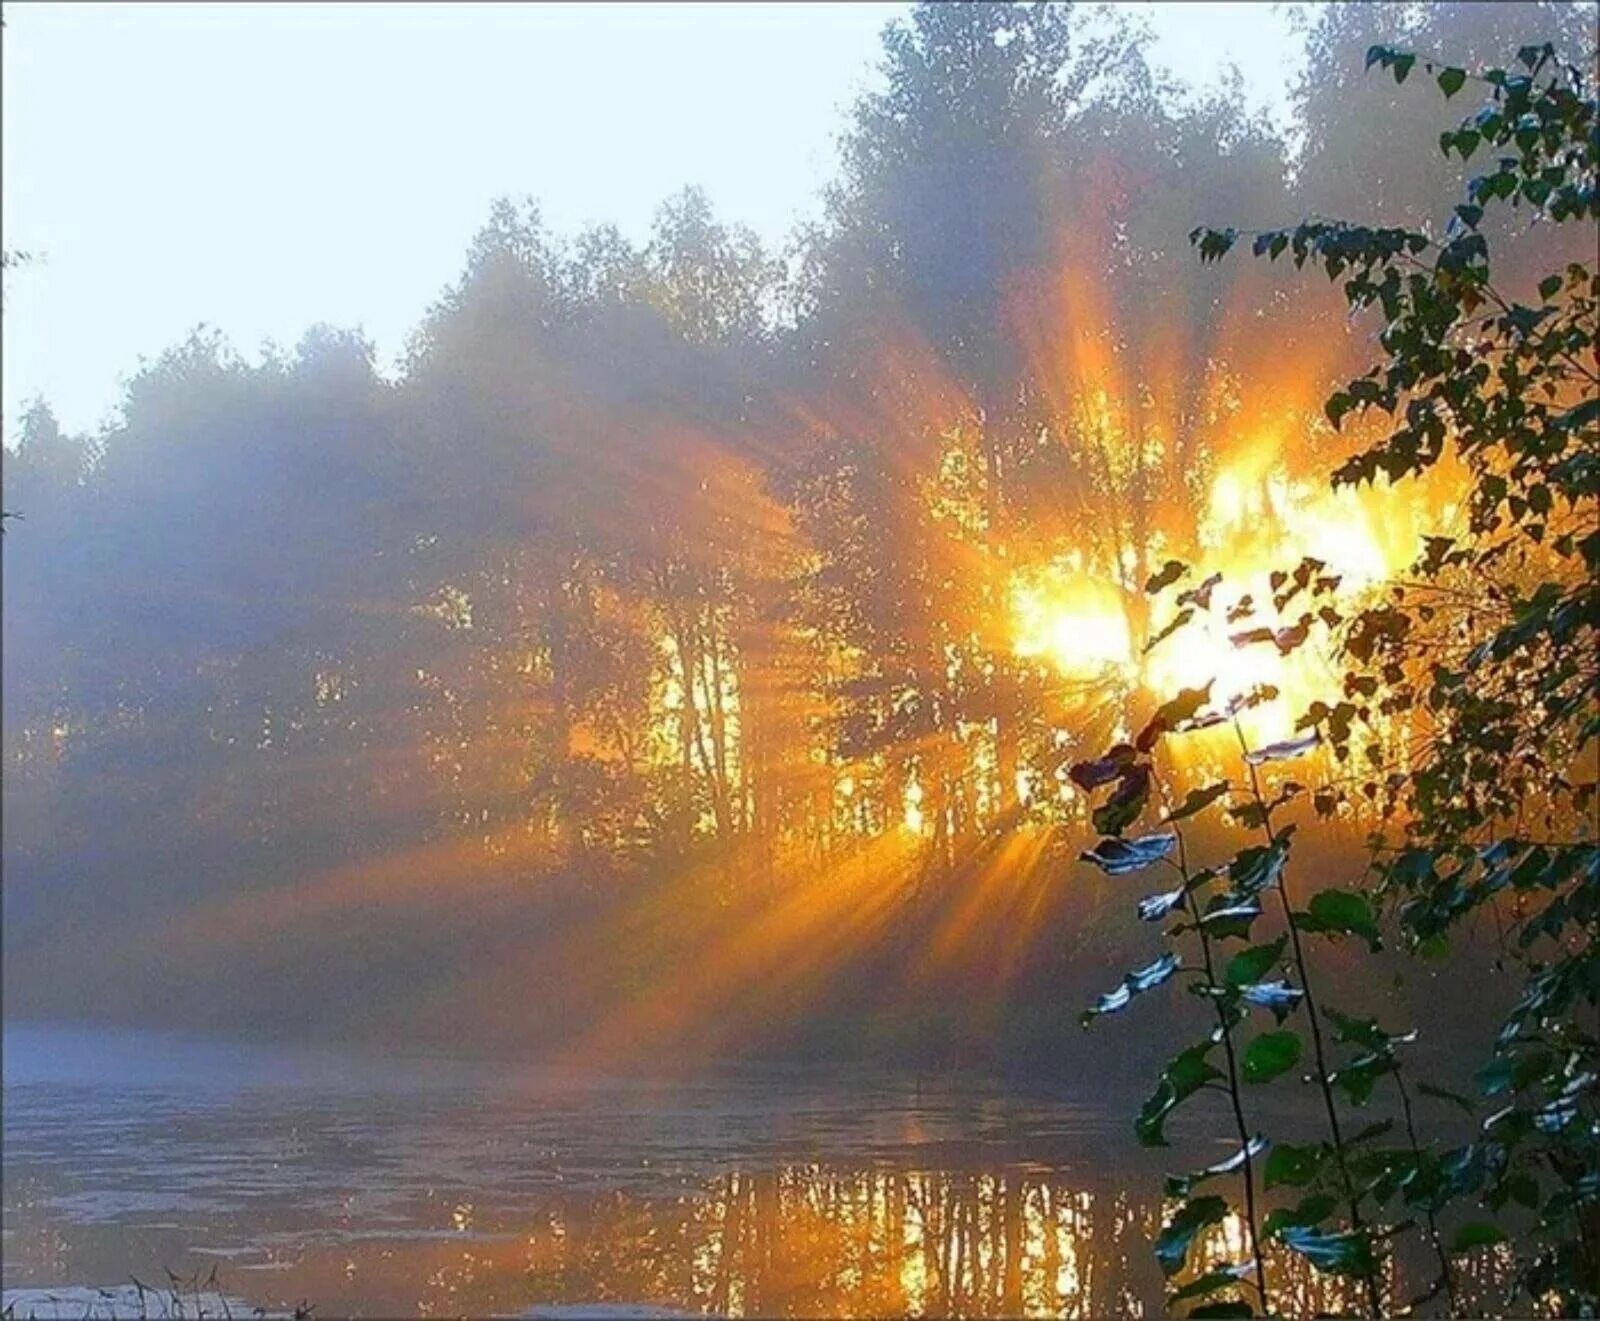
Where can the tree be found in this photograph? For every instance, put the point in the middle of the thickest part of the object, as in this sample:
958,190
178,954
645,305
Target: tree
1488,658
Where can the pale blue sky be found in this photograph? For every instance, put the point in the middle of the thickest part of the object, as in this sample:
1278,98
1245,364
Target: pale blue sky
261,167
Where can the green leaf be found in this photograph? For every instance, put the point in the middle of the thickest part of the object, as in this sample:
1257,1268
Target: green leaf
1251,965
1476,1234
1186,1073
1270,1055
1311,1211
1550,286
1294,1166
1341,912
1178,1234
1451,81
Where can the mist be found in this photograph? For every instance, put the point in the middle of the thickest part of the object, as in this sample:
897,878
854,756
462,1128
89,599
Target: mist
676,661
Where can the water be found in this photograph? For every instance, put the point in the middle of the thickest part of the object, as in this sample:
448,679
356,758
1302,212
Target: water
385,1186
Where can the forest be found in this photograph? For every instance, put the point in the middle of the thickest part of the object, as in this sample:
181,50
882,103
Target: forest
725,590
697,649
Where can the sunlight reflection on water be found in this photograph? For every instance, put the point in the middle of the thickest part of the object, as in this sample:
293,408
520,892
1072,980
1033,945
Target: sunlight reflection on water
395,1190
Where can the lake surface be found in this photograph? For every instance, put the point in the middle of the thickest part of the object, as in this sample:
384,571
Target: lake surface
405,1187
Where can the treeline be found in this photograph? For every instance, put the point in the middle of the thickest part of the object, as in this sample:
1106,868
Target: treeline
692,559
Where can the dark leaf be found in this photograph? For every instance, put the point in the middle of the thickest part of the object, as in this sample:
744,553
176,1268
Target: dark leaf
1311,1211
1165,576
1178,1234
1445,1094
1334,1254
1119,857
1186,1073
1196,800
1294,1166
1200,595
1092,774
1476,1234
1125,804
1284,751
1181,708
1256,868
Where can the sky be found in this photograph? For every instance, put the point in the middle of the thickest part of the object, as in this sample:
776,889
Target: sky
264,167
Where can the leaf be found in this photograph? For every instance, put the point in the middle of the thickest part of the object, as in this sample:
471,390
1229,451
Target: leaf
1335,1254
1154,907
1358,1078
1181,1185
1178,621
1451,81
1200,595
1119,857
1476,1234
1143,979
1284,751
1250,965
1173,1242
1219,1277
1186,1073
1173,713
1089,775
1294,1166
1311,1211
1344,912
1270,1055
1254,869
1550,286
1277,996
1230,917
1165,576
1196,800
1125,804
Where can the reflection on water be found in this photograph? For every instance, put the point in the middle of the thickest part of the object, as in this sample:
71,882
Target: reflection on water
761,1195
